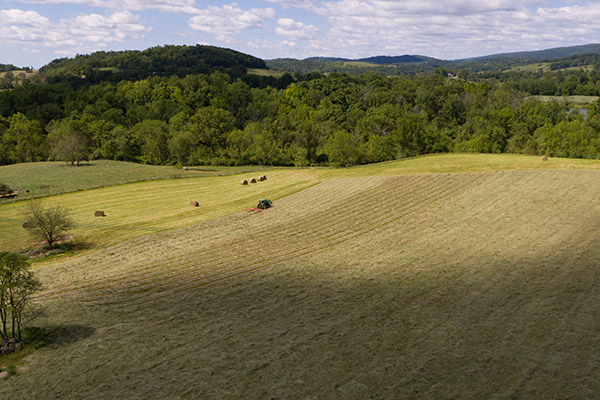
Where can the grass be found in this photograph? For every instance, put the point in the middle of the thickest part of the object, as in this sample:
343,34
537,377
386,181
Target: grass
363,64
265,72
399,280
50,178
148,207
152,206
575,100
545,67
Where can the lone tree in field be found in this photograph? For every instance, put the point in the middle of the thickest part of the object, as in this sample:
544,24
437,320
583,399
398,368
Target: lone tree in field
67,143
48,224
17,286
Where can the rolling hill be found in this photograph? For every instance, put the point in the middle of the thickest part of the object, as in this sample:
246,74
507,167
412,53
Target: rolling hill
160,60
411,64
449,276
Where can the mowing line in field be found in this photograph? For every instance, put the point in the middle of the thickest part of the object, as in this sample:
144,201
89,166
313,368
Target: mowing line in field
424,193
258,225
290,230
260,264
265,258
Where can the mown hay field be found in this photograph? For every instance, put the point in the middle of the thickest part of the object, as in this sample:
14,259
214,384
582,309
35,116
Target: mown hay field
147,207
474,284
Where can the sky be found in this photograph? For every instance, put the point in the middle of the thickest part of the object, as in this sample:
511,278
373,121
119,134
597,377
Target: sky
35,32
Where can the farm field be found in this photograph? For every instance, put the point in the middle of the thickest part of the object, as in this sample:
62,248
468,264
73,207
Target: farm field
447,276
51,178
152,206
575,100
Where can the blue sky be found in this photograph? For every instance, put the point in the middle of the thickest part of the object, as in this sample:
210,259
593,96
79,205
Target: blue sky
34,32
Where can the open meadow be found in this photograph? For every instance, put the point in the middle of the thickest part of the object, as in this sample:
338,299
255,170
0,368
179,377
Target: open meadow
442,277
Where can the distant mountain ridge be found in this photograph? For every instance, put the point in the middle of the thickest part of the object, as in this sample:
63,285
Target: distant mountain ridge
412,64
547,54
183,60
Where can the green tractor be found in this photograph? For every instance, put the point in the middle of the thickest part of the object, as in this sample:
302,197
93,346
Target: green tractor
263,204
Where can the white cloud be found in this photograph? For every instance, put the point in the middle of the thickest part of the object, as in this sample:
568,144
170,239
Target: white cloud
265,44
454,29
305,4
83,33
175,6
295,30
229,20
23,18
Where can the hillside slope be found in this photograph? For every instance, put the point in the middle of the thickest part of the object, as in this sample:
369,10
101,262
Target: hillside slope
445,285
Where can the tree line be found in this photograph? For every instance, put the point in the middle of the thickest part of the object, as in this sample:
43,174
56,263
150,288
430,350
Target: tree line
336,119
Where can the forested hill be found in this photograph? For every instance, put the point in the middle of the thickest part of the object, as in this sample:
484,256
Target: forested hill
414,64
544,55
156,61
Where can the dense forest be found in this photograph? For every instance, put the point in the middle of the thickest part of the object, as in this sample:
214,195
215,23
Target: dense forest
225,118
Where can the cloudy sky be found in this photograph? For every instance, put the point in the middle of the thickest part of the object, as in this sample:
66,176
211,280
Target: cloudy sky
34,32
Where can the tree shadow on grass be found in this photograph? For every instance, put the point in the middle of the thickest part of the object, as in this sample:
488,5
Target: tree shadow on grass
57,335
64,335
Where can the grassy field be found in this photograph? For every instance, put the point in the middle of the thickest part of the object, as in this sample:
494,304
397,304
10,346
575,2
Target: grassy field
574,100
50,178
442,277
153,206
363,64
265,72
545,67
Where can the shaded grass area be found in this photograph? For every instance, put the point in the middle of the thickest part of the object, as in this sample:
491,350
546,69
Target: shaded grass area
51,178
489,292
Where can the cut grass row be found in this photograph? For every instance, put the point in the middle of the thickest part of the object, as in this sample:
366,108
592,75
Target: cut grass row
276,241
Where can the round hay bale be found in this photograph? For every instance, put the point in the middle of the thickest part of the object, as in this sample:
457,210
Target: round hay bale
545,158
99,213
194,203
263,178
253,180
185,168
245,182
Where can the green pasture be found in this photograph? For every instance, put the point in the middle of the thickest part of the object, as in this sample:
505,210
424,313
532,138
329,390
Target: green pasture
363,64
546,67
265,72
50,178
575,100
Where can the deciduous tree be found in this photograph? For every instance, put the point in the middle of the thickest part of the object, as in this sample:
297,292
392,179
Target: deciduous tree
48,224
17,286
